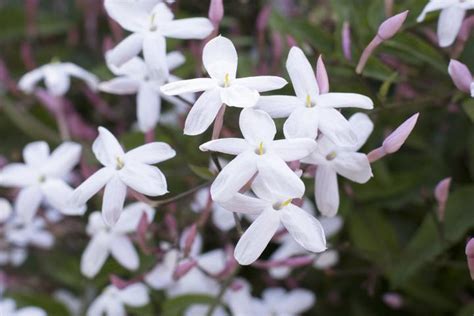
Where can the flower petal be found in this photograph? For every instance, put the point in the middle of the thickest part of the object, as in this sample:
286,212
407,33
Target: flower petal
56,80
27,202
256,238
95,255
91,186
58,195
132,16
130,47
106,148
154,53
257,126
29,80
234,176
121,248
353,166
449,24
433,6
191,28
278,106
220,58
231,146
145,179
114,198
335,126
131,216
203,112
135,295
297,301
301,74
326,191
151,153
302,123
120,85
275,174
362,126
239,96
241,203
262,83
35,154
304,228
293,149
148,107
345,100
74,70
18,175
62,160
188,86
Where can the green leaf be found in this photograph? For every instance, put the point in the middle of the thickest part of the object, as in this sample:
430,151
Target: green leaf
426,244
468,107
202,172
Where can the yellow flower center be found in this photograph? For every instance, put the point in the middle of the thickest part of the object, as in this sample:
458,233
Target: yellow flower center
260,149
226,80
308,101
331,155
283,204
119,163
153,27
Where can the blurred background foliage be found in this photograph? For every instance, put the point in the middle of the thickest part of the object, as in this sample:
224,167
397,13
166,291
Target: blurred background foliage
390,242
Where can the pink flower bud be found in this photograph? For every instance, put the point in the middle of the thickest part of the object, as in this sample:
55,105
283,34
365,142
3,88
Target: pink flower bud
460,75
392,25
346,41
322,76
189,239
393,300
470,256
216,12
376,154
183,268
398,137
441,194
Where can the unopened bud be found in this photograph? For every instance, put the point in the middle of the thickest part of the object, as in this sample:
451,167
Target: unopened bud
398,137
470,256
216,12
322,76
392,25
189,239
441,194
183,268
460,75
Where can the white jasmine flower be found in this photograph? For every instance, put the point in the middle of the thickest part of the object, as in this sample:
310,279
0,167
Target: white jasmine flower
8,308
220,60
289,247
41,178
33,233
258,152
5,210
279,302
150,24
133,169
73,303
450,19
114,241
57,78
135,77
310,111
273,209
112,301
347,162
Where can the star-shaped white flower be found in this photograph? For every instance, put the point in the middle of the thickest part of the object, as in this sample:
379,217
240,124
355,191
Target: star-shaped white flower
450,19
8,308
114,241
258,152
42,178
135,77
33,233
133,169
151,23
220,60
310,111
112,301
273,209
57,78
332,160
